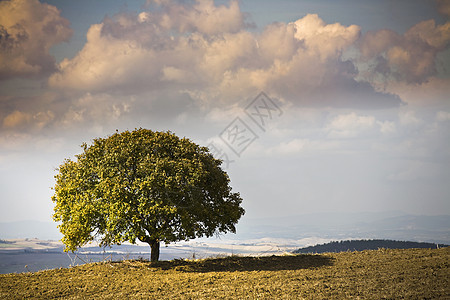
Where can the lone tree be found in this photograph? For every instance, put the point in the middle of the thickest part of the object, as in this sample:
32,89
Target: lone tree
145,185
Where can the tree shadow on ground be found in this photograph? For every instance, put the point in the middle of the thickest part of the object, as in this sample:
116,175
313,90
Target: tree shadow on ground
239,263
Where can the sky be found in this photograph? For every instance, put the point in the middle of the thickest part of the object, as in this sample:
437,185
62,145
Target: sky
314,106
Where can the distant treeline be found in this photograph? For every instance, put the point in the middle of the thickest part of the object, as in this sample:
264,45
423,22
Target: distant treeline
360,245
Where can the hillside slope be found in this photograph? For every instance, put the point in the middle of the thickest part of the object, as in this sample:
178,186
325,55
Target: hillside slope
412,273
361,245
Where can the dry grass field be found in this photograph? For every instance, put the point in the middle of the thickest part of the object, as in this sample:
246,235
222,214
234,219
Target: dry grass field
376,274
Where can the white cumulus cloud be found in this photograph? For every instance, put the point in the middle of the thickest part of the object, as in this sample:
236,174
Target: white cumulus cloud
350,125
205,51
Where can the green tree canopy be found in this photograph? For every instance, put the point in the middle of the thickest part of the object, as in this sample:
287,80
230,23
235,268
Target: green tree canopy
145,185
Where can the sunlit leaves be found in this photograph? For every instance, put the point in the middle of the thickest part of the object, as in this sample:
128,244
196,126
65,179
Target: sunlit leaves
143,185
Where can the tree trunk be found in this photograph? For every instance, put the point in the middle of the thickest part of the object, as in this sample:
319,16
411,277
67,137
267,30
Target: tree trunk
154,250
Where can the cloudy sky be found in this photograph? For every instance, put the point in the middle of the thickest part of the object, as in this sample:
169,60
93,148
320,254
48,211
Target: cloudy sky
354,114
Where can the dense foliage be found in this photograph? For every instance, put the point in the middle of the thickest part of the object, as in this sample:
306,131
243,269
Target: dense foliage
145,185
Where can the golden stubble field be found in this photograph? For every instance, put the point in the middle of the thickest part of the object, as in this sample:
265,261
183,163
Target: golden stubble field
380,274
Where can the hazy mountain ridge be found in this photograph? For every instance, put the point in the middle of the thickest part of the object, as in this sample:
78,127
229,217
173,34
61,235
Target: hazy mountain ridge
341,226
29,229
329,226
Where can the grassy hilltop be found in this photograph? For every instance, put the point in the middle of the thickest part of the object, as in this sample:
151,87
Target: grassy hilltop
374,274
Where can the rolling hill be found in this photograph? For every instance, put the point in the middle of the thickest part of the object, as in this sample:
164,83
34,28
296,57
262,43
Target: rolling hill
360,245
373,274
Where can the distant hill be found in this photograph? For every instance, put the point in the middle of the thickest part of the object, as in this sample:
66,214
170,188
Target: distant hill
29,229
342,226
327,226
360,245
